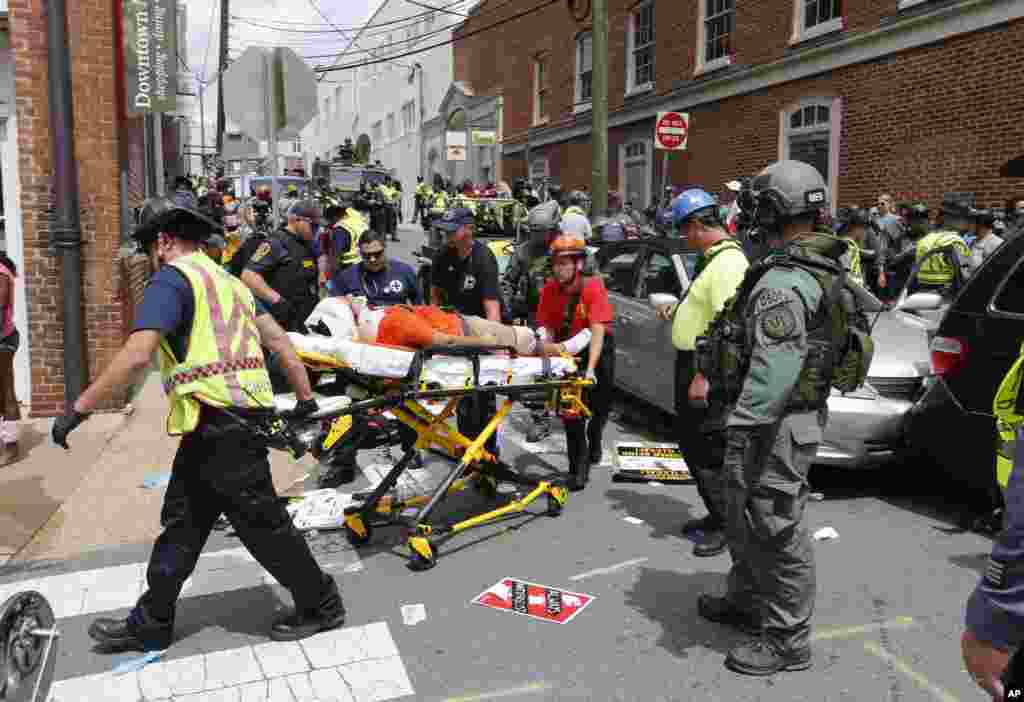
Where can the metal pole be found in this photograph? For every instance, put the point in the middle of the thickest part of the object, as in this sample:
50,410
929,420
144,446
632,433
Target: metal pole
202,132
67,230
223,66
664,178
599,128
271,122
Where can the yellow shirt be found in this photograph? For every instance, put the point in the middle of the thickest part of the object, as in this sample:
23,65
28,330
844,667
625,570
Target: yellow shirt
707,295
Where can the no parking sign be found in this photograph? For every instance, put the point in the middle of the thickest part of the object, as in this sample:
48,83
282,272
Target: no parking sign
671,131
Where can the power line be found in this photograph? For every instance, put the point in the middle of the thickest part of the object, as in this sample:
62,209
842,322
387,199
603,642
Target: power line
437,9
466,35
320,12
409,19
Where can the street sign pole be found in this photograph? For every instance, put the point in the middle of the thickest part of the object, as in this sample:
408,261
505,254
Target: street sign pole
664,176
271,126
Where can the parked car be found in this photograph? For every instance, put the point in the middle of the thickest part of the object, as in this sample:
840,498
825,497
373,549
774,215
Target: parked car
975,338
865,428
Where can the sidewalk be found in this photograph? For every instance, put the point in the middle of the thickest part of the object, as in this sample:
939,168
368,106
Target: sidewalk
56,504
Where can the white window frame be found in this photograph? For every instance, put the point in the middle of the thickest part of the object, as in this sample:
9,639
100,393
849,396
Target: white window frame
538,62
648,145
377,131
835,128
409,116
803,33
579,104
631,87
704,66
392,126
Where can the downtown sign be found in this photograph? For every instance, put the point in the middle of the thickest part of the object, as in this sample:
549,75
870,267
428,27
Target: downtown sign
150,55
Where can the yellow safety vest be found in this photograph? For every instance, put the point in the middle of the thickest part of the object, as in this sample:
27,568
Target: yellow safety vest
356,226
1004,406
575,210
856,269
464,201
223,365
424,191
440,203
938,270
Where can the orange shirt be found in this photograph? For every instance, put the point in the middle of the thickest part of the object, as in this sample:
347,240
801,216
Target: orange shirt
415,326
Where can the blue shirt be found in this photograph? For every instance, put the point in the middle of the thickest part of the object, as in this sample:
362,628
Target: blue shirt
168,306
395,285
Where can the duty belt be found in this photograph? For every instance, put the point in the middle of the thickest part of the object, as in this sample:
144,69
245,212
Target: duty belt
210,370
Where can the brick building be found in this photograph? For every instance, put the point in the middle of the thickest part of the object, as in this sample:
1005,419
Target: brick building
912,97
108,152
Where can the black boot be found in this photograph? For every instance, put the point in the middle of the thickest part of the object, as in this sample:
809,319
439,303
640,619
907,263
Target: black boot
139,632
705,524
721,611
713,544
338,474
330,614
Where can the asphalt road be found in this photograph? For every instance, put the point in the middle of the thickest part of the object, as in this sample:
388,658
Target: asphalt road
887,621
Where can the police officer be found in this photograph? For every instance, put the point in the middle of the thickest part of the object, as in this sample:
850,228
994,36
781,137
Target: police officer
722,265
769,361
283,272
216,381
945,268
995,611
852,228
422,195
575,312
465,277
291,196
985,240
343,240
382,281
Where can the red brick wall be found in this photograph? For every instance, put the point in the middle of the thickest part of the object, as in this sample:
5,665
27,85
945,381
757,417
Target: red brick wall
92,46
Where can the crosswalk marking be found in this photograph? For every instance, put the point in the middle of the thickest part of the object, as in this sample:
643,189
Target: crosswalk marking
118,587
353,664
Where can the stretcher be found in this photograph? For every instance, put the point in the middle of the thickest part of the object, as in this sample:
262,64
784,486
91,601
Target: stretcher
420,390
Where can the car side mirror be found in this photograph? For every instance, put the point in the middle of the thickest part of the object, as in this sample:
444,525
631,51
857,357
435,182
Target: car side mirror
921,302
662,299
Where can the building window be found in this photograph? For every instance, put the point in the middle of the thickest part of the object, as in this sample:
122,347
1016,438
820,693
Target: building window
391,126
810,133
540,91
584,70
428,22
812,18
409,116
640,56
714,50
635,173
377,132
327,109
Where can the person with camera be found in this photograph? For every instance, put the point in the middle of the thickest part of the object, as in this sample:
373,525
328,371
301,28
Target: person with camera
218,389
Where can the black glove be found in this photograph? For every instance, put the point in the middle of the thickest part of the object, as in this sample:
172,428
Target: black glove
281,311
303,408
64,425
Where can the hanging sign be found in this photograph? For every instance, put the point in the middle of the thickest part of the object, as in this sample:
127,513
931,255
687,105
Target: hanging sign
150,55
484,138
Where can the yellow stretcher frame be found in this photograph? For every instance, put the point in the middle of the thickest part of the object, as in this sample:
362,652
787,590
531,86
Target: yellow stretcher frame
475,466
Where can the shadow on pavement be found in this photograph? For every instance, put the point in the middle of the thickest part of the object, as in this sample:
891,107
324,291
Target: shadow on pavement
250,611
669,598
664,513
971,561
25,507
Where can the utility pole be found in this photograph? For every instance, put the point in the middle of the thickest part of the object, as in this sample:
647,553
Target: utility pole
223,66
599,128
202,131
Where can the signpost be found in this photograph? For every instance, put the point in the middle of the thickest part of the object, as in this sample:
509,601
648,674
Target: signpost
671,131
270,94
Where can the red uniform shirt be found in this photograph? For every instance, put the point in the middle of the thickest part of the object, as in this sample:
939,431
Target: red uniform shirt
593,307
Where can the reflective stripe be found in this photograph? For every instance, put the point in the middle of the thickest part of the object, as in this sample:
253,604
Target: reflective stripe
210,370
224,332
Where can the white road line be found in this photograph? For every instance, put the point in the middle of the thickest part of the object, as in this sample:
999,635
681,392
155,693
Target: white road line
496,694
608,569
118,587
354,664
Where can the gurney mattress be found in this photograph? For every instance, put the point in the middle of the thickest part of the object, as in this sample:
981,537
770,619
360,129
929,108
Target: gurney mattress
446,371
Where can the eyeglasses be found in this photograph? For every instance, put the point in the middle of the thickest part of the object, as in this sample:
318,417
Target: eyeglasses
372,255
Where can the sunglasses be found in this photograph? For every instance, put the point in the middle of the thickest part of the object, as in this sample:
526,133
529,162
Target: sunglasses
372,255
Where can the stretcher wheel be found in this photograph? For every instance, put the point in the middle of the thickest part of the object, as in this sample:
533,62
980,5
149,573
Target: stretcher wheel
556,501
422,553
487,486
356,530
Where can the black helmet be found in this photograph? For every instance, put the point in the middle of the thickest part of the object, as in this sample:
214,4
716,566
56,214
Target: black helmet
163,214
984,217
577,198
918,210
791,188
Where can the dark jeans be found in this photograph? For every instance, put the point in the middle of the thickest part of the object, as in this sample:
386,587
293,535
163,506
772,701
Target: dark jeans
702,446
583,436
473,414
221,469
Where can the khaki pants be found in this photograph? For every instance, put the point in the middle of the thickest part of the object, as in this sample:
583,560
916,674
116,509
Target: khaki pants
519,338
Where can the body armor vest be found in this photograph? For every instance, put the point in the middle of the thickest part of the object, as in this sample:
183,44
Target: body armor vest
296,280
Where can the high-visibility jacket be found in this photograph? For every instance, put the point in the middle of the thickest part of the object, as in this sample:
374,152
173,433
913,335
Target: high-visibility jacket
938,269
223,364
1008,418
355,225
851,259
575,210
466,201
424,192
440,203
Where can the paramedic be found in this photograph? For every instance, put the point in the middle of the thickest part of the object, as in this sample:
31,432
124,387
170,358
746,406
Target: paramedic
382,281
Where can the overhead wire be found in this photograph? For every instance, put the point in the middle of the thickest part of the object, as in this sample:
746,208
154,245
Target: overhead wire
209,37
410,19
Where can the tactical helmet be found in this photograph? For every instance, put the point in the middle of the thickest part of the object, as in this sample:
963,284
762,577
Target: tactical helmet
162,213
689,202
544,217
918,211
567,245
791,188
577,198
984,217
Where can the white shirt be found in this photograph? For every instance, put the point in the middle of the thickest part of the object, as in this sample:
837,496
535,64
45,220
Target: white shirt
577,225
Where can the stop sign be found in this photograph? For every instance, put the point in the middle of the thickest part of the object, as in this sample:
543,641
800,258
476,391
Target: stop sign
671,130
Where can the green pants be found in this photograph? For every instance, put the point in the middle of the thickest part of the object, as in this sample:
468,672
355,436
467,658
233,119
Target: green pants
772,575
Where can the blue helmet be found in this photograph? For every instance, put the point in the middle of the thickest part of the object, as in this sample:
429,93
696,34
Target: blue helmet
690,201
